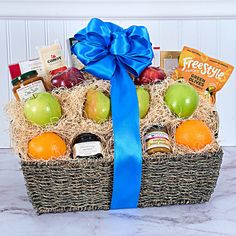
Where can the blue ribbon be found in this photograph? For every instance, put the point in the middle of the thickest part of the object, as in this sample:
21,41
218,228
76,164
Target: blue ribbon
110,52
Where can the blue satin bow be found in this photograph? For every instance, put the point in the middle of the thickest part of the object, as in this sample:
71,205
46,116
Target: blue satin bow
110,52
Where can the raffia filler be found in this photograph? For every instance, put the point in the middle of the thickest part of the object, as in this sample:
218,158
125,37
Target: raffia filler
74,122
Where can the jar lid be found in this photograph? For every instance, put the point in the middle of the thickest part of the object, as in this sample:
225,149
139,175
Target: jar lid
29,74
158,127
24,76
86,137
15,80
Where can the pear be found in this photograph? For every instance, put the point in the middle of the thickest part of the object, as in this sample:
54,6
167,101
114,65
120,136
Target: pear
97,106
143,101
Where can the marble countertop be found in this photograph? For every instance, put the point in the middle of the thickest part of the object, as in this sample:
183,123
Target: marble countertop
218,217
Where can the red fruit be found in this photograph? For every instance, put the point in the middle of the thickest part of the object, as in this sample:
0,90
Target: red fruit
151,75
67,78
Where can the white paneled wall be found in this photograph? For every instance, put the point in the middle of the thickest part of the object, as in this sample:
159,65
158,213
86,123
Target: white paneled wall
216,37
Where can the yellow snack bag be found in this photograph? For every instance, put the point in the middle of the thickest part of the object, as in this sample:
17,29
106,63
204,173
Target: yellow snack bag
206,74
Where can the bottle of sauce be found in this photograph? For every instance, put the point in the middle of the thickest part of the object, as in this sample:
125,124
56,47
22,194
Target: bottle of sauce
87,145
28,84
156,139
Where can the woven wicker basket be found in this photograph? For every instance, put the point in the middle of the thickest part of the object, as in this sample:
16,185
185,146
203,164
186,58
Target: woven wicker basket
80,185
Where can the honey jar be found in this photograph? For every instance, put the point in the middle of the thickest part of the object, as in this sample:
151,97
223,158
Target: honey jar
156,139
28,84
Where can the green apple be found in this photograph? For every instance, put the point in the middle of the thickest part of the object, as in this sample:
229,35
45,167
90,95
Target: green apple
42,109
143,101
182,99
97,106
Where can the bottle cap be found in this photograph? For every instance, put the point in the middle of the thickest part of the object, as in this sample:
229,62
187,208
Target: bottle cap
24,76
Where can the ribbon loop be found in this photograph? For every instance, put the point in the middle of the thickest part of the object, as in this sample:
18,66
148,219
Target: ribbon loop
110,52
119,44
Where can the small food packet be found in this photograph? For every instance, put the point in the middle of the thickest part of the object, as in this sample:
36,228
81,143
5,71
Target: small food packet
75,62
206,74
22,67
169,61
51,57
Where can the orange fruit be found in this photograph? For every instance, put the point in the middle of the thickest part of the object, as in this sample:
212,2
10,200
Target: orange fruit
194,134
46,146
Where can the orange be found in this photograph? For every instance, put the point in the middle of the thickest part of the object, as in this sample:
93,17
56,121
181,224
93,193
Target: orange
46,146
194,134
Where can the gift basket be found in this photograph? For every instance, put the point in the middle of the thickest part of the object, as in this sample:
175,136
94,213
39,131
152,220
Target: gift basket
119,133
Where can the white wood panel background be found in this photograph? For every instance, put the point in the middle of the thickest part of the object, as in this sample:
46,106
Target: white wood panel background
215,34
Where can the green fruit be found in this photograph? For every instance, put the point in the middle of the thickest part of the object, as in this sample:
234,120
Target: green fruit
143,101
42,109
97,106
182,99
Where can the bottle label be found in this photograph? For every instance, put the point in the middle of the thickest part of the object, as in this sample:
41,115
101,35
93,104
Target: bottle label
87,148
28,90
156,134
156,139
157,144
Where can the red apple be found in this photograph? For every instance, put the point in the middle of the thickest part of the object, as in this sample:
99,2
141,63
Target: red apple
151,75
67,78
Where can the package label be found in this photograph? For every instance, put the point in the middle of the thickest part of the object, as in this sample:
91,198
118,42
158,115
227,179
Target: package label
87,148
204,73
28,90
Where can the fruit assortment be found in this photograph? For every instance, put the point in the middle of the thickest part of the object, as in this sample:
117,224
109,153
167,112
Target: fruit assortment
181,99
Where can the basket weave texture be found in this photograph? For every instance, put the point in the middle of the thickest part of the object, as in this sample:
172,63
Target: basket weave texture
81,185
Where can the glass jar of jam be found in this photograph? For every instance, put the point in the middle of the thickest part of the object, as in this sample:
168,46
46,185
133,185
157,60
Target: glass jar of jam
156,139
87,145
28,84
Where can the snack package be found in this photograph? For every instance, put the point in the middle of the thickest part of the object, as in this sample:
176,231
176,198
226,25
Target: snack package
22,67
51,57
74,61
206,74
169,61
